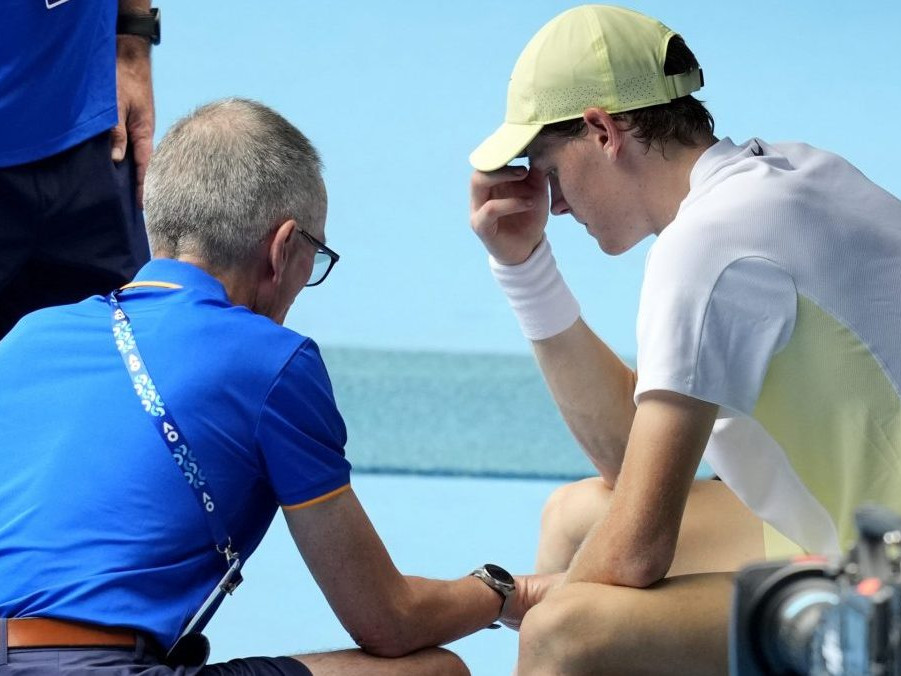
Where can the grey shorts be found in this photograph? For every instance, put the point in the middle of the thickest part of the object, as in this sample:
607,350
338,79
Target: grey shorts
141,660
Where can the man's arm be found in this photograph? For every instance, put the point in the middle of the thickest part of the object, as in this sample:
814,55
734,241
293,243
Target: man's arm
594,391
591,385
134,95
386,613
634,544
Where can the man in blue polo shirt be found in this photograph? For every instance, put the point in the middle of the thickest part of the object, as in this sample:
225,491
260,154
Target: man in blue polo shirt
108,405
76,131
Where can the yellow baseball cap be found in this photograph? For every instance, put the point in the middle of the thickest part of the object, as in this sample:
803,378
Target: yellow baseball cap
593,55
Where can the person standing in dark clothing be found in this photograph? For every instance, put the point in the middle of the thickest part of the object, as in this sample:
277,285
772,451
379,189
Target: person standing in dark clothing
76,132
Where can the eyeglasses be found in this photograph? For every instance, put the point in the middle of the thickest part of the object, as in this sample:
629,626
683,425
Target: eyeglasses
323,262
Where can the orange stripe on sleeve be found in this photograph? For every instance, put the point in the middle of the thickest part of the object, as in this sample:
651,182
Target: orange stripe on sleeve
161,285
316,501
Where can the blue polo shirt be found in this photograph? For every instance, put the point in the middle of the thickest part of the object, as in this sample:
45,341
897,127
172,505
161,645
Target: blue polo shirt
57,75
96,520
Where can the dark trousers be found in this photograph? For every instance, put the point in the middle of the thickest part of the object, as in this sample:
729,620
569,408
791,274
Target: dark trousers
70,228
142,660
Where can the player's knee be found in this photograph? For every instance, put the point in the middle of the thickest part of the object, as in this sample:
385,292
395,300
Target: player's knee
570,501
553,515
554,507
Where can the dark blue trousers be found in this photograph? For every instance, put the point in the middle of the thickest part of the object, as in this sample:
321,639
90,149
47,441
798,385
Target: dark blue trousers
70,228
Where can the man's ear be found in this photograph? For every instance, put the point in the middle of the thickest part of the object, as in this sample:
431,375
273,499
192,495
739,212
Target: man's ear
280,249
604,130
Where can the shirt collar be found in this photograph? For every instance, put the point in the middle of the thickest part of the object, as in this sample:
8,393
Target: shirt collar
184,274
722,153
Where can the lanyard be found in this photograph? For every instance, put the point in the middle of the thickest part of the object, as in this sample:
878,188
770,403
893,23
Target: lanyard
164,422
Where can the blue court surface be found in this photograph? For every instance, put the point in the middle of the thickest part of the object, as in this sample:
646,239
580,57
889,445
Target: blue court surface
432,526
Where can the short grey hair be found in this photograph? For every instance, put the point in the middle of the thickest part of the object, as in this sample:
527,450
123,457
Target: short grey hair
223,177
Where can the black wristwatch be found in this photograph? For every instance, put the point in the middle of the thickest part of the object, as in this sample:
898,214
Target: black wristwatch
500,581
145,25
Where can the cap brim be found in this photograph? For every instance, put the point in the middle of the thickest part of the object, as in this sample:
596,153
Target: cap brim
502,146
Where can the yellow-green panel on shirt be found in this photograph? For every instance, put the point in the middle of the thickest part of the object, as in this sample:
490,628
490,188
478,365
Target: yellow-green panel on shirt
828,403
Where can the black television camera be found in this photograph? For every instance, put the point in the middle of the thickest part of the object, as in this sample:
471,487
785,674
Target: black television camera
815,616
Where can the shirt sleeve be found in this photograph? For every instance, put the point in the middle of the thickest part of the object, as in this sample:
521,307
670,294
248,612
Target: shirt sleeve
712,336
301,434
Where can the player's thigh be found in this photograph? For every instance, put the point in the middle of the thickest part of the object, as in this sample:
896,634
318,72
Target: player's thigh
718,532
678,626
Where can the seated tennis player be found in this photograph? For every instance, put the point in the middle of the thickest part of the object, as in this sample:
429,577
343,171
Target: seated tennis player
769,341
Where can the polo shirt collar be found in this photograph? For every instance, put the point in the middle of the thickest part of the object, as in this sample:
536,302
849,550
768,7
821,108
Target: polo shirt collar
721,154
184,274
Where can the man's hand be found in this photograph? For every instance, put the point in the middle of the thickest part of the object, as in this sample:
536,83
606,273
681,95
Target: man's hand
509,211
530,589
134,94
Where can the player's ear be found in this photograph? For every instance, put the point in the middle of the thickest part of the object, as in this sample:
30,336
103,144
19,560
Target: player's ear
602,128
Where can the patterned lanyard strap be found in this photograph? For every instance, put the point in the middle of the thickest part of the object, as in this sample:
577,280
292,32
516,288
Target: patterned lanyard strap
164,422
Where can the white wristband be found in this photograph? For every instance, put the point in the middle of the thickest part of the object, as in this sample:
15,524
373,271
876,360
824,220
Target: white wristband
540,298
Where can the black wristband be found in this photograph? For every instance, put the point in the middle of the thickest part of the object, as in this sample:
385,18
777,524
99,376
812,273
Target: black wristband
144,25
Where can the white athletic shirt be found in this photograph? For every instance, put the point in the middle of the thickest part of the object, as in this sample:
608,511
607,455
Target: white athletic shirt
776,294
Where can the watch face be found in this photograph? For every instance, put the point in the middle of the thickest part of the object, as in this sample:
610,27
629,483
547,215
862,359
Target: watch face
498,573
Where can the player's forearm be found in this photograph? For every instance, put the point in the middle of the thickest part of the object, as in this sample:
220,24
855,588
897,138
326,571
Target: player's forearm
594,390
610,555
590,384
634,544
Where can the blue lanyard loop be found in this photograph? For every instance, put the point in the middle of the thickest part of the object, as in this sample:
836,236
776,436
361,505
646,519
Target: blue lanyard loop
168,429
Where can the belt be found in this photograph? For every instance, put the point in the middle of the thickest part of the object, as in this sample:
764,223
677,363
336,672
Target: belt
45,632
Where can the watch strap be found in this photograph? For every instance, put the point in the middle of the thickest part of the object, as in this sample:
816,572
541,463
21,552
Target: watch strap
145,25
503,589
